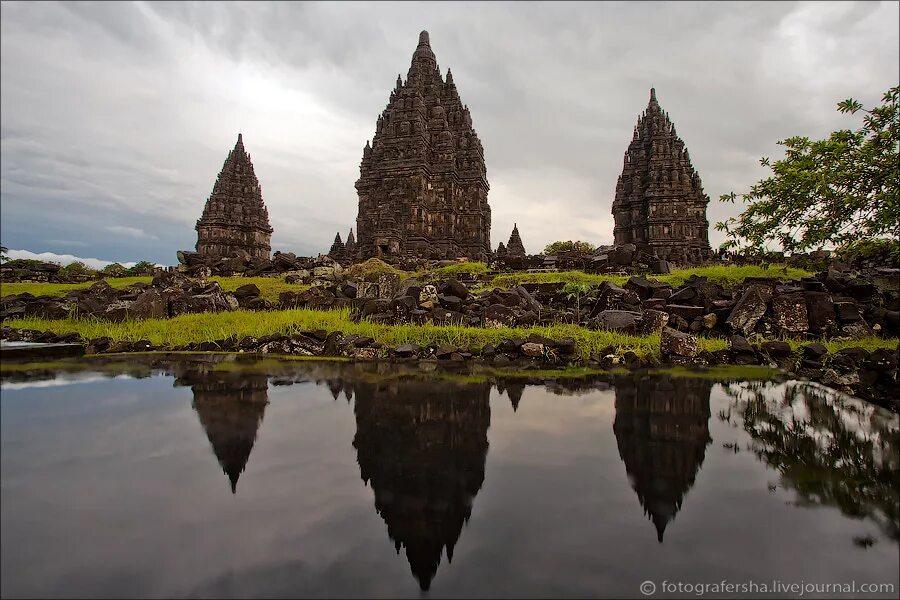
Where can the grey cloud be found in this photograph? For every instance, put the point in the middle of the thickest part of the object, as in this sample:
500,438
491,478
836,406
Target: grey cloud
126,111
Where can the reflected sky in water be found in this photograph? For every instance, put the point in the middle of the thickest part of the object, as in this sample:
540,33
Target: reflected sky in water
193,479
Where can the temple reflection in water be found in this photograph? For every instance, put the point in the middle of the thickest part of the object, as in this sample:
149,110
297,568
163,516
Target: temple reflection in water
662,430
230,407
422,447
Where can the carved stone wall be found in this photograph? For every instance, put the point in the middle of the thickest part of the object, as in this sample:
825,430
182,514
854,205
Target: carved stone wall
660,206
235,220
423,182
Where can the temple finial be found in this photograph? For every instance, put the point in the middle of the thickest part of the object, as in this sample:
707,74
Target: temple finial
652,94
423,39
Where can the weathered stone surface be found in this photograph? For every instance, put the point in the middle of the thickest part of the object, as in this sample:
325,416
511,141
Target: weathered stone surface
235,220
790,313
659,204
423,183
747,312
149,305
653,321
246,291
676,343
498,315
618,320
532,349
428,295
820,311
776,348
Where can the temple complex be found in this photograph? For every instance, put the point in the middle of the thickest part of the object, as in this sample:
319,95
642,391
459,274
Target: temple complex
235,220
662,431
660,206
423,182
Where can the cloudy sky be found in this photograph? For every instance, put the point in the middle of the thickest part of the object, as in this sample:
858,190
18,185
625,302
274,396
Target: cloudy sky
115,118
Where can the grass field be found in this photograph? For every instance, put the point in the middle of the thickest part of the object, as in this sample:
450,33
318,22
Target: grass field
207,327
724,275
269,287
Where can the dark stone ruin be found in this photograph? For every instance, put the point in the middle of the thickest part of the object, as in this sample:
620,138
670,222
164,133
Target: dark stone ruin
660,206
423,183
235,221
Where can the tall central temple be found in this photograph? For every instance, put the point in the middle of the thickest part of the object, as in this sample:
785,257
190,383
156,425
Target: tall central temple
660,205
423,183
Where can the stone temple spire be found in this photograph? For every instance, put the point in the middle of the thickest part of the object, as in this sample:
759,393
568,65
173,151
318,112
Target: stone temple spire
659,204
423,185
351,241
514,247
235,220
337,247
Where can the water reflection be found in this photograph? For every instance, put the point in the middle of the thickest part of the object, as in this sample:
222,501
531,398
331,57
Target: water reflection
830,449
230,407
421,443
662,431
422,448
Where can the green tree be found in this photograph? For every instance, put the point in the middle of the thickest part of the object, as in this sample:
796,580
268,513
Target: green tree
827,192
76,268
142,268
114,270
568,246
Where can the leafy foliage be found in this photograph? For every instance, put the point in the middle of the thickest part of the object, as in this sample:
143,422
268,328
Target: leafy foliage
114,270
3,254
827,192
75,269
142,268
871,249
569,246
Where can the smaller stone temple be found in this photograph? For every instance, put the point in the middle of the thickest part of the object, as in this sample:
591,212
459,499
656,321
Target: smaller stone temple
235,221
514,247
660,206
337,248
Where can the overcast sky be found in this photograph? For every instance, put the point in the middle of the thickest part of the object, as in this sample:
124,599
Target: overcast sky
117,117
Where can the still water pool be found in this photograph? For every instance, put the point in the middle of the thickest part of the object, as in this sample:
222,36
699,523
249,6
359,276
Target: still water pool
210,477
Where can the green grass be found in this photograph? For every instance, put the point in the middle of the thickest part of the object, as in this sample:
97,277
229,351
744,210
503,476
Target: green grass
269,287
374,266
725,275
205,327
60,289
473,268
202,327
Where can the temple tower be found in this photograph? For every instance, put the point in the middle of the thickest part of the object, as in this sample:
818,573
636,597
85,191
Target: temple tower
660,205
515,247
423,182
235,220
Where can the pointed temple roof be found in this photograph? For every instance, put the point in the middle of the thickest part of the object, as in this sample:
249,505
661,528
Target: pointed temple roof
338,246
423,182
351,241
235,217
660,205
514,247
